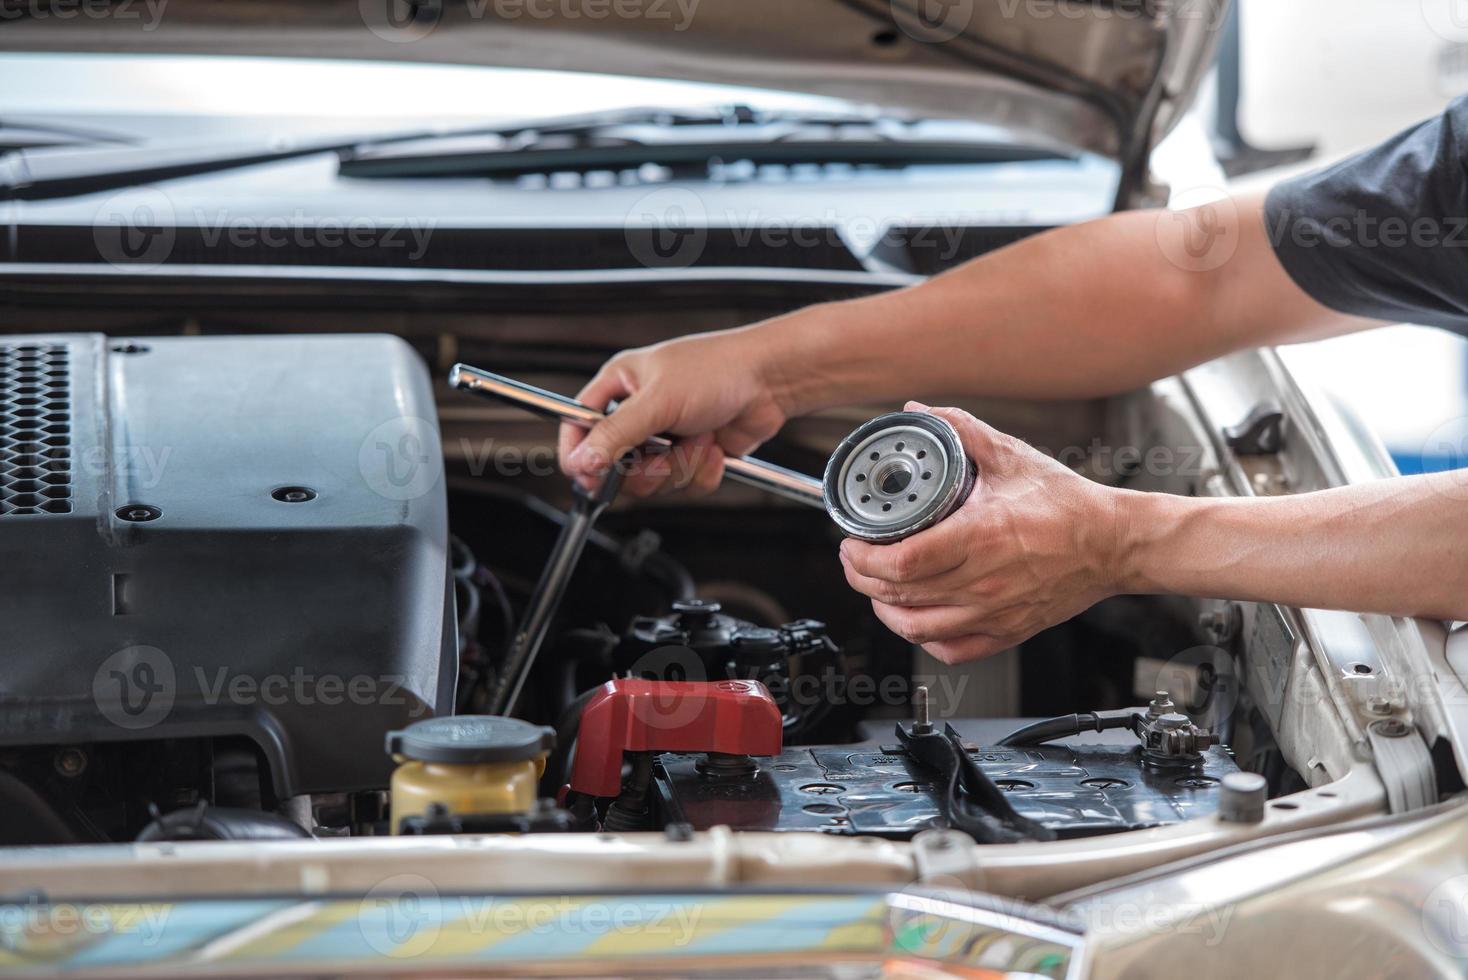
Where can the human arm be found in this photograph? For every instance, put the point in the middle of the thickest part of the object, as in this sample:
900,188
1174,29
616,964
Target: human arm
1082,311
1036,544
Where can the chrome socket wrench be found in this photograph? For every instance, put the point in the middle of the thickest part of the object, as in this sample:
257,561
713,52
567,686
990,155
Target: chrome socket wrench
893,477
756,473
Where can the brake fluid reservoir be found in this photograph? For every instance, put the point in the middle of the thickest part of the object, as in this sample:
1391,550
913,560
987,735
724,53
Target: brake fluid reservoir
897,475
470,765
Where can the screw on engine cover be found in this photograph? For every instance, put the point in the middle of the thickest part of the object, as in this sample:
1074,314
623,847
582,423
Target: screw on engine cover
293,495
71,762
138,513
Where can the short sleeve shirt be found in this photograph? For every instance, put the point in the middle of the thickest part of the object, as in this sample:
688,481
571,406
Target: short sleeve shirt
1384,234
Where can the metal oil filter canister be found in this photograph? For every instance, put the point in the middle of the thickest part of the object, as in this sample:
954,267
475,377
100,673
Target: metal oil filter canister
897,475
470,765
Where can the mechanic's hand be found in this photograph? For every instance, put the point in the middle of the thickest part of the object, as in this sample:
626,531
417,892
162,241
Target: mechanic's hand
707,389
1034,545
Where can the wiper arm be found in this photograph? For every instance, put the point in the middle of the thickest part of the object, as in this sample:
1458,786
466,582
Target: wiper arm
46,174
27,135
681,141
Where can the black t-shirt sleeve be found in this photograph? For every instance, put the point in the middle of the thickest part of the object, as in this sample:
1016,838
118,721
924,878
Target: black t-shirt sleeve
1384,234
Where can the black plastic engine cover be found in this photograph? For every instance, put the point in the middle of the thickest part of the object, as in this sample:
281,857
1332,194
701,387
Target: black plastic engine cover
223,536
874,790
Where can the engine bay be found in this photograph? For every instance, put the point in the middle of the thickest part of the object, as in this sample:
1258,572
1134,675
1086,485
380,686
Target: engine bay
265,588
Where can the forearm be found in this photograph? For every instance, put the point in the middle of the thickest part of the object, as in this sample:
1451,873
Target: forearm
1392,546
1083,311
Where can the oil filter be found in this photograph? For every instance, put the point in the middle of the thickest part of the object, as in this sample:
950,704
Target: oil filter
897,475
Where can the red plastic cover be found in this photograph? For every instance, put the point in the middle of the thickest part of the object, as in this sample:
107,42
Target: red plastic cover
633,715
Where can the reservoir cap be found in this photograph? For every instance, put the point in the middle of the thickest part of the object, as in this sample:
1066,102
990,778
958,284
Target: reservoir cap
468,740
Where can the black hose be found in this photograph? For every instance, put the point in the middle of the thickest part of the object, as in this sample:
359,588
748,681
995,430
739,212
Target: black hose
29,819
1065,726
568,726
204,822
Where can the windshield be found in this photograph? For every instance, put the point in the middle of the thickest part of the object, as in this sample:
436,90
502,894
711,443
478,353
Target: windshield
213,143
107,85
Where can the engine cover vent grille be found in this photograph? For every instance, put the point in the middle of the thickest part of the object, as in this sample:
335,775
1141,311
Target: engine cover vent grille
35,429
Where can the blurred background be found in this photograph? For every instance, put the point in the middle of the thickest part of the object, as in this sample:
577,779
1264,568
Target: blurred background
1327,80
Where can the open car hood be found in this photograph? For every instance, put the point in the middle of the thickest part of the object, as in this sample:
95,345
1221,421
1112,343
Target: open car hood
1109,76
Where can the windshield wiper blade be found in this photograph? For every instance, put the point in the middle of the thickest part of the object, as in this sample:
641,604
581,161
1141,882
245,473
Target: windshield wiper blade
55,171
681,142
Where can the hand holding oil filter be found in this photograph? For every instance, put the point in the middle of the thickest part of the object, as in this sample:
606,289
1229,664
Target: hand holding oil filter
897,475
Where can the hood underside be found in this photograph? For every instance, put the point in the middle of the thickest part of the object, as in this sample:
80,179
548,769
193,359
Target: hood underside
1109,76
